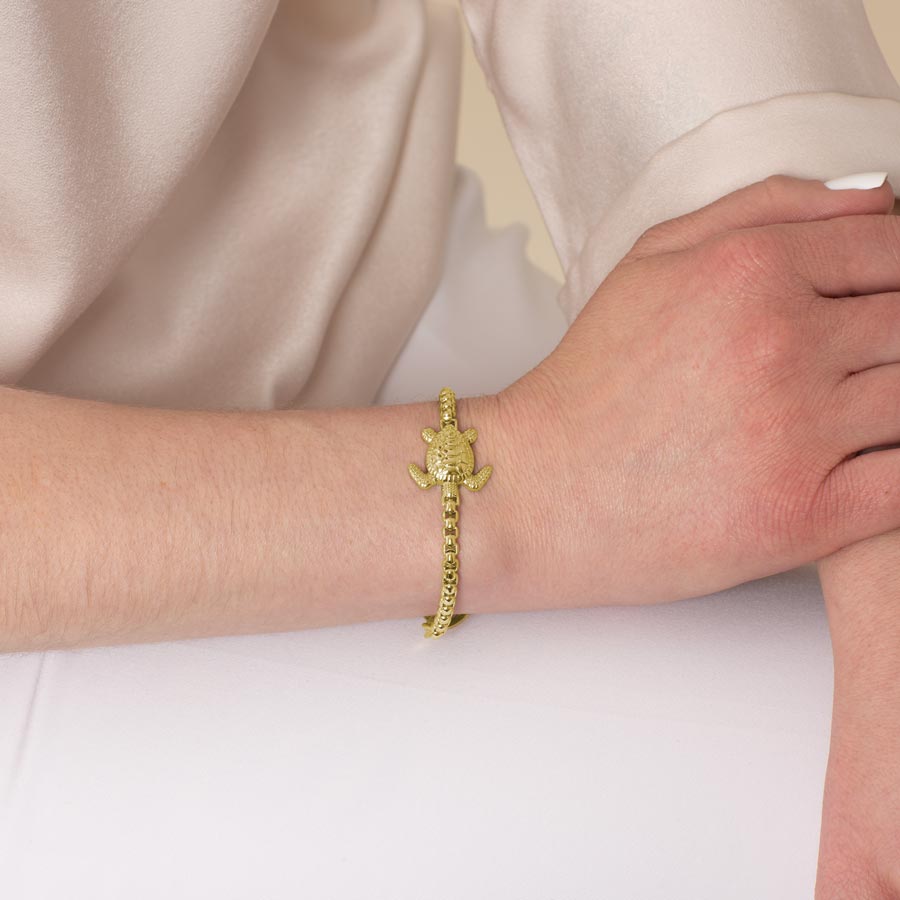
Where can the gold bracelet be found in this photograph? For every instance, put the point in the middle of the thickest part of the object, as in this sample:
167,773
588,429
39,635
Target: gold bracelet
450,462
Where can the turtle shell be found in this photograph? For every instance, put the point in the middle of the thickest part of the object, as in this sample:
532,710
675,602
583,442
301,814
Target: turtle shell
449,456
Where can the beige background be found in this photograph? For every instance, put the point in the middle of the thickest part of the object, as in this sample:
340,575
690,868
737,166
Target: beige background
483,144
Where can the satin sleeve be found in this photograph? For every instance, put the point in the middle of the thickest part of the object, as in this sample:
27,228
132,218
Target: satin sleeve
623,114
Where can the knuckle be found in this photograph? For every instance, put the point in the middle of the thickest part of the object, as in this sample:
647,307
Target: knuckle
655,230
775,186
764,340
742,255
653,237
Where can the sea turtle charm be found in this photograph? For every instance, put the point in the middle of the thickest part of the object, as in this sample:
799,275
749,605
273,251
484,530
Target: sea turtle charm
449,459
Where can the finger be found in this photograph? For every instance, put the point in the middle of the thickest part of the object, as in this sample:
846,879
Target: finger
865,331
778,198
869,409
846,256
859,499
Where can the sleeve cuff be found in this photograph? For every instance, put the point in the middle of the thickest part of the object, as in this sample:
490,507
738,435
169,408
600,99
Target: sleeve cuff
807,135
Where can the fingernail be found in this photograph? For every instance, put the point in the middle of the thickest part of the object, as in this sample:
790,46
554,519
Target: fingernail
863,181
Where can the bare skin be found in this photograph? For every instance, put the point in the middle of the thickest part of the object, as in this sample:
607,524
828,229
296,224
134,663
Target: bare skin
859,855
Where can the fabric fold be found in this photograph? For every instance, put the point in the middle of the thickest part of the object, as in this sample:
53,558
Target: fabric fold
106,108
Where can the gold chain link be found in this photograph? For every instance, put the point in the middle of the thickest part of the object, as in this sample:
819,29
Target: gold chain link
444,618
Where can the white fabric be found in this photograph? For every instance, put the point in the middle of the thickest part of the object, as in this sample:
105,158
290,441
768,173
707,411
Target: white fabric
675,751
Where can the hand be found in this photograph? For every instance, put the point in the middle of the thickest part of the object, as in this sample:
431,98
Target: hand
695,428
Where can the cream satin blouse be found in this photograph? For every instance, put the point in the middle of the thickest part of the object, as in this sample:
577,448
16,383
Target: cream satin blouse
245,203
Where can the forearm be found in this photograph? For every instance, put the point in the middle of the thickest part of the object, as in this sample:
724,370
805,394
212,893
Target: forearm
125,524
861,814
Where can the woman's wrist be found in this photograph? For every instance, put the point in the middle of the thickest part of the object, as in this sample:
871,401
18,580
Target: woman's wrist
392,566
510,531
497,524
491,549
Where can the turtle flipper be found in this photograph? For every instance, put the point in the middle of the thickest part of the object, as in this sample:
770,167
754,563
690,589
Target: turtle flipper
428,435
477,481
470,434
422,479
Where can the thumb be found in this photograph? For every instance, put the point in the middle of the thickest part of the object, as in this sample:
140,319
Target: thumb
778,198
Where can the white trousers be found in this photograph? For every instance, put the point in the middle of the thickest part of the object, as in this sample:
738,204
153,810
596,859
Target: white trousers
660,752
